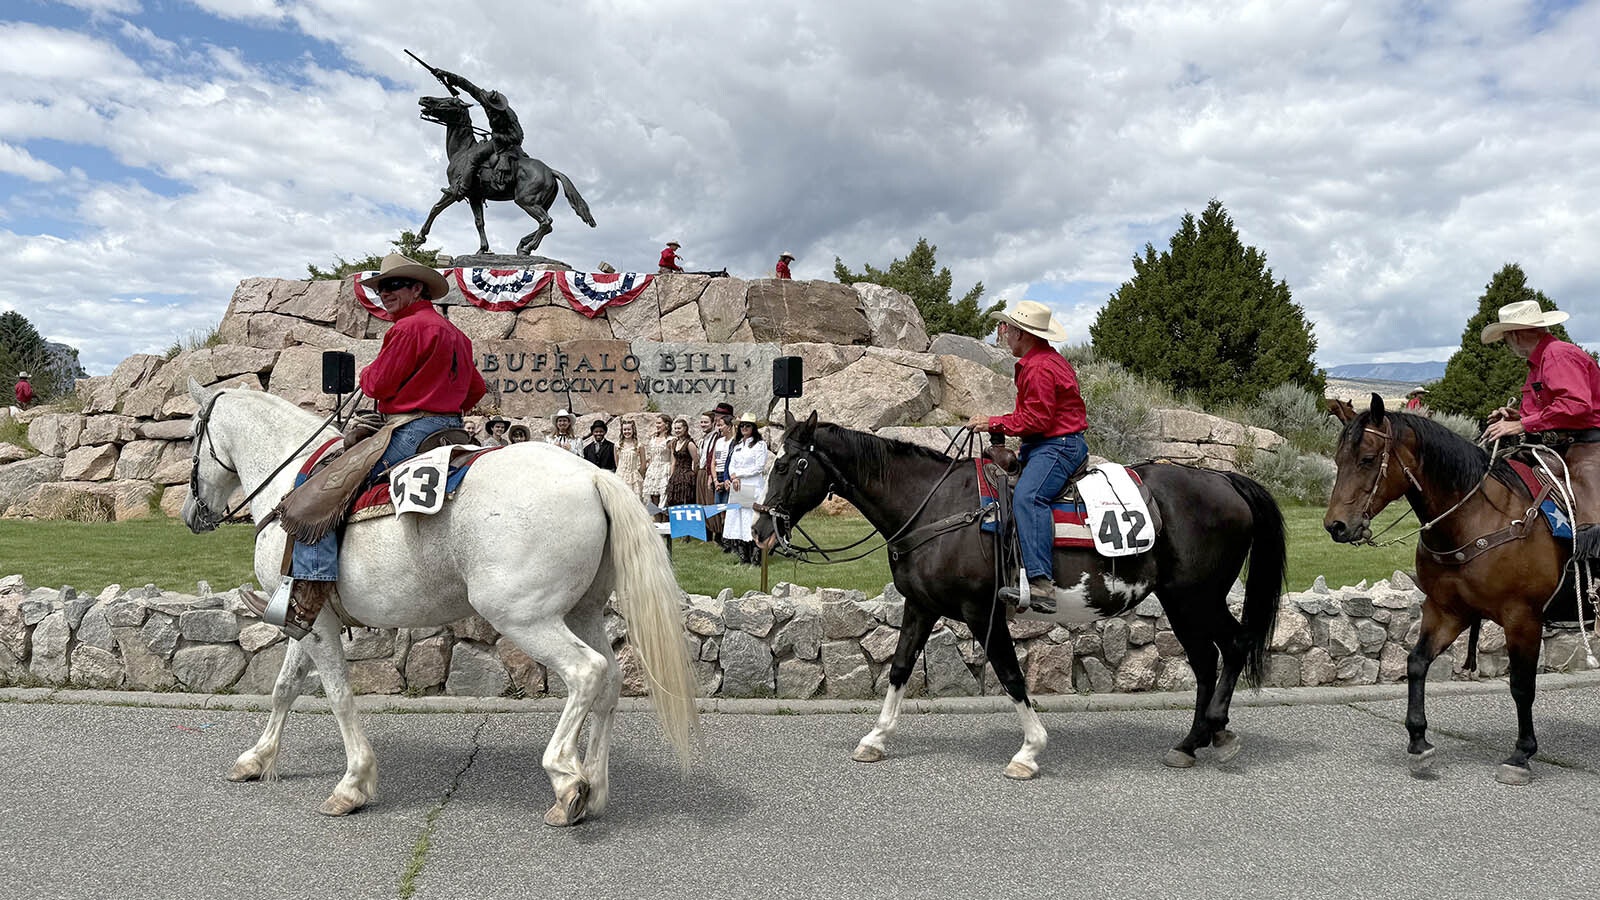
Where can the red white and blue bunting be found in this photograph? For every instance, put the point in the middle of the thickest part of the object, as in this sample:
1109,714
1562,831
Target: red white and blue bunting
593,293
507,290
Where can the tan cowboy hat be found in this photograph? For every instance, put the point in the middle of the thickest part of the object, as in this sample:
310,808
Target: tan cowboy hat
1417,390
397,266
749,418
786,255
1034,318
1521,314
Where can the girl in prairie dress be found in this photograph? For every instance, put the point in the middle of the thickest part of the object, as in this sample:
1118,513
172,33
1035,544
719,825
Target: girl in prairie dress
658,464
630,462
681,483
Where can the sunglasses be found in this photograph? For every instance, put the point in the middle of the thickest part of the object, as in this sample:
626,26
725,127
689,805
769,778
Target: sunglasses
394,284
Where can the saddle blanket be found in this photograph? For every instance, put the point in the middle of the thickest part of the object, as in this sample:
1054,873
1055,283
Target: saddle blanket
1535,481
377,500
1072,516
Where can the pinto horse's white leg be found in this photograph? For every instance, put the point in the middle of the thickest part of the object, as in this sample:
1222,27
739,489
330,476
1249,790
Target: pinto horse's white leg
585,672
261,761
873,747
597,758
360,782
1025,764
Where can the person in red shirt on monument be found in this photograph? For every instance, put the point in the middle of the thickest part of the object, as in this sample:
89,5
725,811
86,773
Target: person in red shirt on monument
1560,408
24,390
669,259
783,265
1050,418
423,375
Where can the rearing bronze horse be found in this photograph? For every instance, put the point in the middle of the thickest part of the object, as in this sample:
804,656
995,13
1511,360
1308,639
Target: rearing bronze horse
1485,552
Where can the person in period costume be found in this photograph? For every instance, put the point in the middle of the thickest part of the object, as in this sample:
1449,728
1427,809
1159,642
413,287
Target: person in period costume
630,457
599,449
1050,418
669,259
519,434
562,436
680,484
782,270
1415,402
658,462
496,433
747,486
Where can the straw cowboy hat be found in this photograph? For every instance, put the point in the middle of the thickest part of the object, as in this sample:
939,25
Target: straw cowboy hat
786,255
749,419
397,266
1034,318
1521,314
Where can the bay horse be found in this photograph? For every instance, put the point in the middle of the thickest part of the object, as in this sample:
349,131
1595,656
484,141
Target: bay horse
1465,499
944,566
534,541
533,189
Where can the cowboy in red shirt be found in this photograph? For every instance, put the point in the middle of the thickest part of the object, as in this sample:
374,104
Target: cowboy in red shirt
1560,404
24,390
1050,418
423,373
1414,403
783,265
669,259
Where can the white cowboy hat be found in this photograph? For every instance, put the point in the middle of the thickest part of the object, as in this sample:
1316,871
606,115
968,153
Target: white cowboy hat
1034,318
1417,390
786,255
23,375
749,419
1521,314
561,414
396,266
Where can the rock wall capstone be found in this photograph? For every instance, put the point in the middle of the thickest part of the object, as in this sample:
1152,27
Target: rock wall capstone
794,643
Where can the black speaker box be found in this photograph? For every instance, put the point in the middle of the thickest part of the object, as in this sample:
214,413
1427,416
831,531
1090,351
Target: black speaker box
786,376
338,372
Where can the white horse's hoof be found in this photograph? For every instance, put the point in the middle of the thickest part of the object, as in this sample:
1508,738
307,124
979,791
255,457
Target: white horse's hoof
868,754
1021,771
570,808
340,805
1227,745
1422,762
1513,775
246,769
1177,759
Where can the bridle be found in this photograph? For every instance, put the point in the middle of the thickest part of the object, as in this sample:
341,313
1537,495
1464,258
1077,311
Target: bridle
207,517
1388,449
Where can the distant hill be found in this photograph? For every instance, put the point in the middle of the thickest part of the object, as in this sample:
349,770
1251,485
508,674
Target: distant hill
1421,372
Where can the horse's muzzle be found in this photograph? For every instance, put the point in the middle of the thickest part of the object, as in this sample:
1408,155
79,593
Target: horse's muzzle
1343,533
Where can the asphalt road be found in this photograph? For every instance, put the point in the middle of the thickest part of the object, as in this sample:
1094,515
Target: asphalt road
110,801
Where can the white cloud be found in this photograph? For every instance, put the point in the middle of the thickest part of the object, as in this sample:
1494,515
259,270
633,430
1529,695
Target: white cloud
1387,162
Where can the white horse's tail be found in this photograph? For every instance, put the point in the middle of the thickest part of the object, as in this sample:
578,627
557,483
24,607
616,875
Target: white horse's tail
648,594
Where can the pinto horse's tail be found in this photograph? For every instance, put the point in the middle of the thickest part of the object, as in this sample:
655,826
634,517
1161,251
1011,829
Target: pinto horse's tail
648,595
1268,574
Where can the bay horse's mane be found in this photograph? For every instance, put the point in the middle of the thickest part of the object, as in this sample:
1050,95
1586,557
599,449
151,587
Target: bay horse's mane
1456,462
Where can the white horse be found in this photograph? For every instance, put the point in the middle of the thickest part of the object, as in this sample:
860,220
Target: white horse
535,541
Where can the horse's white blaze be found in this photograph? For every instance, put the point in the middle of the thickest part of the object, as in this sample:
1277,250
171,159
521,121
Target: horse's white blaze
535,542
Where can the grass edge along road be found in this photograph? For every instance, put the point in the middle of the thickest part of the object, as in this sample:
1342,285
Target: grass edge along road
163,552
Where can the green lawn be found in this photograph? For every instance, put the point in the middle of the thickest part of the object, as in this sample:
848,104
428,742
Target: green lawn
164,553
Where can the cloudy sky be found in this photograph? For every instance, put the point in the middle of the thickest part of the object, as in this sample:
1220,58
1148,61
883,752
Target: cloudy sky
1387,157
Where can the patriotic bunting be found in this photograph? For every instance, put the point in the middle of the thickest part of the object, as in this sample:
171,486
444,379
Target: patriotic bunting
507,290
592,293
500,290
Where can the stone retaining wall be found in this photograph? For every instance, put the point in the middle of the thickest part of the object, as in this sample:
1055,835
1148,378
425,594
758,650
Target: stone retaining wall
794,643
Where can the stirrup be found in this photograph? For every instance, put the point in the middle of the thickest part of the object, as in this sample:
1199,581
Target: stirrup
279,607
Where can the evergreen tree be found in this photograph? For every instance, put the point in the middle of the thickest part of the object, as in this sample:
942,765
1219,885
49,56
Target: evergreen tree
407,246
1206,318
914,276
1479,376
52,371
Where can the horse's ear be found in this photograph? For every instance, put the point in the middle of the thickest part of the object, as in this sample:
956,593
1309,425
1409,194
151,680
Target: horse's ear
1377,409
810,426
1343,410
199,393
788,420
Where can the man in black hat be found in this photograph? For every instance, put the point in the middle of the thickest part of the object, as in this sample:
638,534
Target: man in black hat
598,449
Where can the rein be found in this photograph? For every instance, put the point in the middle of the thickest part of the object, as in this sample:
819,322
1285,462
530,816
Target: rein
933,529
209,517
1383,470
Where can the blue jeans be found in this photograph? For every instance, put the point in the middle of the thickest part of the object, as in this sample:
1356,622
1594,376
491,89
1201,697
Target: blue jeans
1046,465
320,561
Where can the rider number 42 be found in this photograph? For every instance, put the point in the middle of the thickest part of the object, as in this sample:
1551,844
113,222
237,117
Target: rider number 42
1136,536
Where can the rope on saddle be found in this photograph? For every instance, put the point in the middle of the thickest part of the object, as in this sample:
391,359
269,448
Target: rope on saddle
1582,574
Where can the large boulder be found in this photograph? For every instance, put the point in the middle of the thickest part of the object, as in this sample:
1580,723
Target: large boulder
673,292
805,311
971,388
89,463
639,320
53,434
683,325
297,377
85,501
892,317
107,429
872,393
723,309
559,324
483,324
822,360
523,376
163,462
685,379
20,480
984,354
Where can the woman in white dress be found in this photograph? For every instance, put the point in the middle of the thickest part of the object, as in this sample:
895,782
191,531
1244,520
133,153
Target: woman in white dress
658,462
563,436
630,458
747,478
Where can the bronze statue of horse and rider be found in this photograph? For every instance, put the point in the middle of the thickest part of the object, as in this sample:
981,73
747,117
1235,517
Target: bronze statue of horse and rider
493,167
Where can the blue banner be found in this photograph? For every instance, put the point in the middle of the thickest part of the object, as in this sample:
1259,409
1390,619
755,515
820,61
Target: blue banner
687,521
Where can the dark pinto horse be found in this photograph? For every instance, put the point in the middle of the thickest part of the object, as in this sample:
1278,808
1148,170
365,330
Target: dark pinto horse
945,566
1465,500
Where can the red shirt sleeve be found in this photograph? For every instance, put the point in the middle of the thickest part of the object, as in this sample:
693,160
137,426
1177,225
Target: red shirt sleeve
397,359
